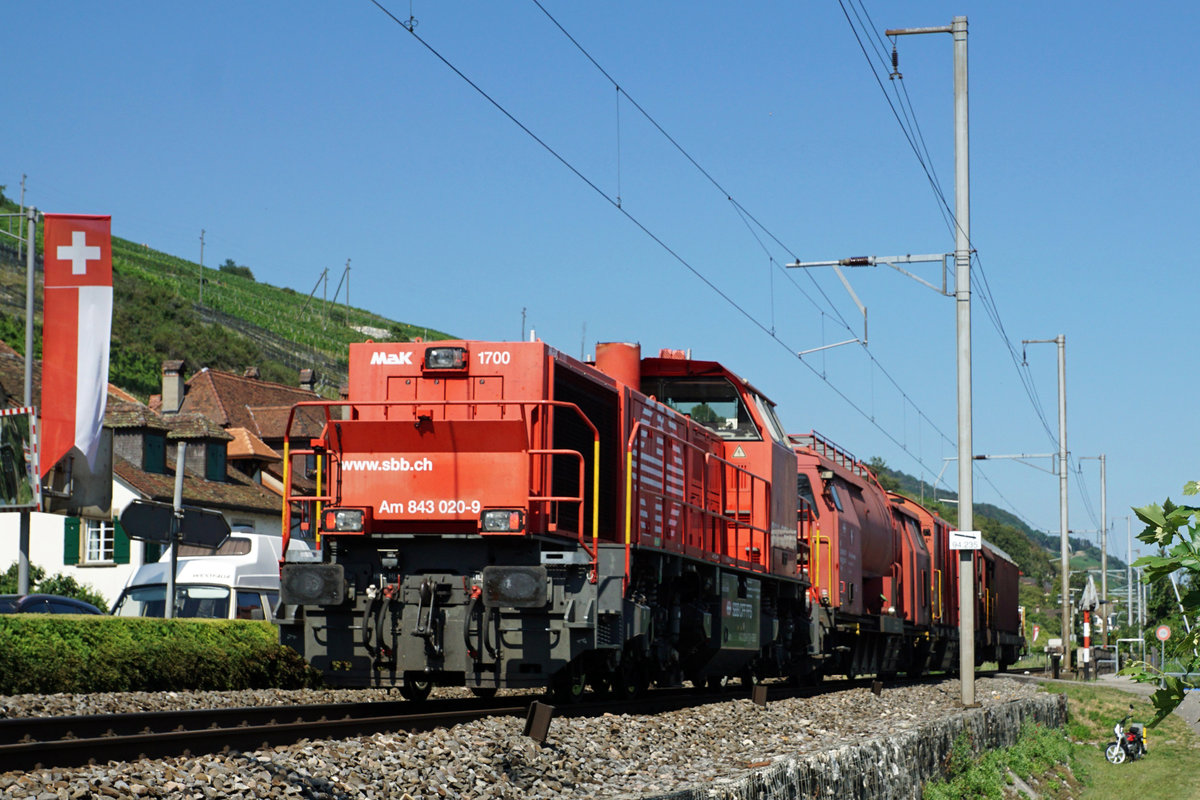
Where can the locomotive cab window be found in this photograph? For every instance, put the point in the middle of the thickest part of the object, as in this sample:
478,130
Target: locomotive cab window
835,496
804,495
766,410
714,403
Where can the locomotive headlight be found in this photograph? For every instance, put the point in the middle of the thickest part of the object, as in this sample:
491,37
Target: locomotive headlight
342,520
312,584
502,520
446,358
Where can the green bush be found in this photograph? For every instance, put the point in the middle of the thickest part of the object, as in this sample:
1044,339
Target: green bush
45,654
1037,751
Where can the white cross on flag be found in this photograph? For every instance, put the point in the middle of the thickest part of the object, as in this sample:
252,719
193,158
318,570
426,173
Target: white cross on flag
76,323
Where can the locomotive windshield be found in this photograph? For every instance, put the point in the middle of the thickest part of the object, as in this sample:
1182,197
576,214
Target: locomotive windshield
804,495
714,402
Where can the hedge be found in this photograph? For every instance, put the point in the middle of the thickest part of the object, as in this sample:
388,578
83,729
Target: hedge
45,654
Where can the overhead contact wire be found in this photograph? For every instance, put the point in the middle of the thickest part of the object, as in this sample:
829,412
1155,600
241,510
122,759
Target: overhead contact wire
654,237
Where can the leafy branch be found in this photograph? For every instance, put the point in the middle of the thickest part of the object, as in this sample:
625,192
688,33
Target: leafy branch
1173,530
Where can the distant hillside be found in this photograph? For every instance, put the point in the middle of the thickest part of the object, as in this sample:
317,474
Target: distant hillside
1036,552
158,315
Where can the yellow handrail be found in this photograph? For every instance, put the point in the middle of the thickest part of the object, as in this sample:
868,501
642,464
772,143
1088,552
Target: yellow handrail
938,606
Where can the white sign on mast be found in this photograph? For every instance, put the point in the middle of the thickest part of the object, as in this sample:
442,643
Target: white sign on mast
966,540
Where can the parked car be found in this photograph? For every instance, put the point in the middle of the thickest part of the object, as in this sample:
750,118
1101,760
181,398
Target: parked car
44,604
238,580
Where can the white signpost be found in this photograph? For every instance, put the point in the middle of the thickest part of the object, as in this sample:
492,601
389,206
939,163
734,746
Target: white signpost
966,540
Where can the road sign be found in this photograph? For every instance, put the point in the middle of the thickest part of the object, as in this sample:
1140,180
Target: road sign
1090,598
151,522
1163,633
966,540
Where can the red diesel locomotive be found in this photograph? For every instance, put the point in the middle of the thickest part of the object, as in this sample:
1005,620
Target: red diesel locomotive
499,514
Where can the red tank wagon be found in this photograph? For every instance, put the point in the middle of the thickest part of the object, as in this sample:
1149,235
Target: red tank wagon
883,578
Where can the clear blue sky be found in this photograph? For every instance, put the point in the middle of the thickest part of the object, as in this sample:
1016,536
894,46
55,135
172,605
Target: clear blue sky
301,134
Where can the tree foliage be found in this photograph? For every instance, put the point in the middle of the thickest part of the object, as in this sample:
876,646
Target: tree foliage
62,585
232,268
8,580
1173,530
886,478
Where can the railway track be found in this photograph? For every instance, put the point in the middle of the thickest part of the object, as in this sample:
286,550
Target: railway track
32,743
28,743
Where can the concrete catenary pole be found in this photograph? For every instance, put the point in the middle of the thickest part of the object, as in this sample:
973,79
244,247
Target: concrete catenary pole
962,294
1104,548
962,284
1061,341
30,257
1065,551
201,266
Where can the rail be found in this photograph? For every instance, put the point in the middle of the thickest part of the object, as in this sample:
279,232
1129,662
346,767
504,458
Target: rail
713,520
524,413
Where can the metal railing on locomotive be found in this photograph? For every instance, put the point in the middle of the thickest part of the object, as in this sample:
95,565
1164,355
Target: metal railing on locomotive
316,500
717,524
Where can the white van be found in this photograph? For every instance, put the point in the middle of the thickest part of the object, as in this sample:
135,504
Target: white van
239,580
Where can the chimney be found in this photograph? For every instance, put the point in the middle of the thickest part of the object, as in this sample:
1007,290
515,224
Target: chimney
344,396
252,373
308,380
172,386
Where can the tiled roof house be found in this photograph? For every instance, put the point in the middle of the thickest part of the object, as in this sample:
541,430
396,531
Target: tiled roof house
252,411
97,552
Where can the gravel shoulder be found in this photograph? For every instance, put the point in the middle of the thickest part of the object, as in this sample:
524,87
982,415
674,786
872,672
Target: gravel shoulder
611,756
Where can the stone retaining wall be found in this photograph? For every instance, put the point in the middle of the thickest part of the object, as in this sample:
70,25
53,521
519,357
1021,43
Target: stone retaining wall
888,768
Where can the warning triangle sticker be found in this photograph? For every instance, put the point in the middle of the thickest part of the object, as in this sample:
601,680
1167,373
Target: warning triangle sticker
739,453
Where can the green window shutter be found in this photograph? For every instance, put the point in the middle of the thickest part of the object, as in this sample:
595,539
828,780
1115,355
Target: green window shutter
70,540
152,551
120,544
214,468
154,453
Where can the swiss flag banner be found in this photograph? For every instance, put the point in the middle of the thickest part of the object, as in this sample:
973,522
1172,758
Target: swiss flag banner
76,323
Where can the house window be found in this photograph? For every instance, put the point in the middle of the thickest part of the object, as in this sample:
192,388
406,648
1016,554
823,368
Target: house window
100,542
214,466
94,542
154,453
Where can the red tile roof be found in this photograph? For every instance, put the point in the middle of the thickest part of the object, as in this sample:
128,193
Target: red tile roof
237,494
246,445
235,401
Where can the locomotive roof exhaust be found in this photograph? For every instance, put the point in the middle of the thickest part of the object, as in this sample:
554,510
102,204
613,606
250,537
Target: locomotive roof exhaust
620,360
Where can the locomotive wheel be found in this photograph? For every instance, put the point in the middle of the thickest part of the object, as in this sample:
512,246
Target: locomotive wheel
415,688
631,679
568,685
1115,753
718,683
602,683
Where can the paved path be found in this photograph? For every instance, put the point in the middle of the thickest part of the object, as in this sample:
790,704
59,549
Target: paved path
1188,710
